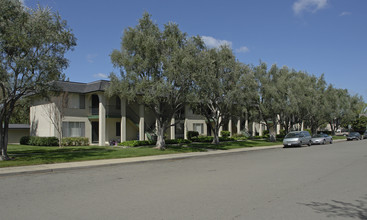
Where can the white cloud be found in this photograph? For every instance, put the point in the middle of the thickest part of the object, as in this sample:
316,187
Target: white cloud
215,43
243,49
309,5
344,13
90,57
100,75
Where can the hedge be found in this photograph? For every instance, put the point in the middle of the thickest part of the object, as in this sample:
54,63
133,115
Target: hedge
225,133
192,134
42,141
136,143
75,141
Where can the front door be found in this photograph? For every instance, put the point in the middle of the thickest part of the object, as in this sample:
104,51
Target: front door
95,131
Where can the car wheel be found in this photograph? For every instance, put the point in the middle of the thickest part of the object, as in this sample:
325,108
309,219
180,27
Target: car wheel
331,141
323,142
309,143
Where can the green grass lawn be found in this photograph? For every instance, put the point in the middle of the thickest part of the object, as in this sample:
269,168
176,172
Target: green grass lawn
31,155
339,137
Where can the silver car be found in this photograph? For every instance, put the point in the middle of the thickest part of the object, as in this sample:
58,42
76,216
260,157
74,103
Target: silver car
321,139
297,138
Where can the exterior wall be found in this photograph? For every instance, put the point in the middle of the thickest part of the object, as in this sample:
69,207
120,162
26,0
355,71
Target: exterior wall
40,123
14,135
132,131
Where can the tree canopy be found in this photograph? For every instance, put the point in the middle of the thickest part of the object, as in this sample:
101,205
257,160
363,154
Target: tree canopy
32,47
156,68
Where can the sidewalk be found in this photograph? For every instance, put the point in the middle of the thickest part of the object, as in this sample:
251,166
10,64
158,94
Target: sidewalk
45,168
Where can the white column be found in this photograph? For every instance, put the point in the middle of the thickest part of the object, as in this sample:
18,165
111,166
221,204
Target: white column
246,123
141,123
220,128
253,129
172,129
278,125
260,129
302,126
230,126
123,120
186,121
239,125
102,121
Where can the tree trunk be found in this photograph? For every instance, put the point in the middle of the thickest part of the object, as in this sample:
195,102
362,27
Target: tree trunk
216,135
161,144
4,141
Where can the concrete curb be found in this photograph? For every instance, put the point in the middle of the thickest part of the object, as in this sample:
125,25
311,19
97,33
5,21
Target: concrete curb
46,168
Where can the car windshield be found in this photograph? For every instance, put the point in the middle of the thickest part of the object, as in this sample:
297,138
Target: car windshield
292,135
353,134
317,135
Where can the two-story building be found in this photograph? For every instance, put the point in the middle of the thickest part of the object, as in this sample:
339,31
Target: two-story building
91,113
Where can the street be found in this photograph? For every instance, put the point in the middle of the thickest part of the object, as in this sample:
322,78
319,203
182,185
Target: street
317,182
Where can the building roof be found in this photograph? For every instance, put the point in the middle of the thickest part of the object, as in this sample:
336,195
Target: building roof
19,126
77,87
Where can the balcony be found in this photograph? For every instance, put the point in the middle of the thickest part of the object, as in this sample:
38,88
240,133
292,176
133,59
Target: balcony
112,111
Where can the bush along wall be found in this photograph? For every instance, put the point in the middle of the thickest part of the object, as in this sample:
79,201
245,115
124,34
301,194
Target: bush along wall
43,141
75,141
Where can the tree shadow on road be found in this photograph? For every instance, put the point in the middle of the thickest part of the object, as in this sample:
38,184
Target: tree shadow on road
355,210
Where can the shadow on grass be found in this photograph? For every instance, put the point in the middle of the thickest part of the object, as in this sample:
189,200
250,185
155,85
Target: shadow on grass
356,210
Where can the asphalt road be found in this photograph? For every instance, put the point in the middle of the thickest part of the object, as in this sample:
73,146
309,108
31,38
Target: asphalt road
317,182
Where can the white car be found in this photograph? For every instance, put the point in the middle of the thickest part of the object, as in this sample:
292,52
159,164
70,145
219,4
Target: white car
297,138
321,139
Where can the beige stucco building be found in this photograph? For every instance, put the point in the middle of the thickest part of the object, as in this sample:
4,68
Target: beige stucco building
91,113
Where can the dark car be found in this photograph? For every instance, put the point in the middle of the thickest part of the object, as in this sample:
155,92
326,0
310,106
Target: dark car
354,136
365,135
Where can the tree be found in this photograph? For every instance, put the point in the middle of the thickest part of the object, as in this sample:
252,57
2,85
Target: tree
32,47
272,97
217,92
360,124
155,68
55,112
21,112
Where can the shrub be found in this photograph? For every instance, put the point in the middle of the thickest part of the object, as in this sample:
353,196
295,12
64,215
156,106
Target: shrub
75,141
240,136
226,139
135,143
225,133
265,132
43,141
202,138
191,134
24,140
178,141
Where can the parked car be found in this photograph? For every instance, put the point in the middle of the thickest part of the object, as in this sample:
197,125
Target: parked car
297,138
321,139
354,136
365,135
341,132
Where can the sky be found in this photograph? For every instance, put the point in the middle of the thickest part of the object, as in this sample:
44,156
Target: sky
316,36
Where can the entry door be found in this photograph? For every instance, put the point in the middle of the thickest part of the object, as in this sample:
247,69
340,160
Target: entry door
95,131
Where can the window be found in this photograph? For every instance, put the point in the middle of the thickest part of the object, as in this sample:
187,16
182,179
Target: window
199,127
118,129
73,129
82,101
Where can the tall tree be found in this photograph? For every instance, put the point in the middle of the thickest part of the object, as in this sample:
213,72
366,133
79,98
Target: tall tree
218,88
32,47
155,68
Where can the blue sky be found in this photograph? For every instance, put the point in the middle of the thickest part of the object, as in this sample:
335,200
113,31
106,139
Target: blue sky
316,36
